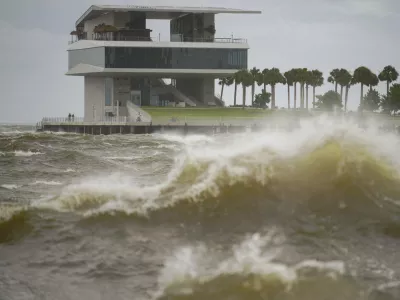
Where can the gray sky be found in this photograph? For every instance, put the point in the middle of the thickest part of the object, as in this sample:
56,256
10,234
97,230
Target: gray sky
321,34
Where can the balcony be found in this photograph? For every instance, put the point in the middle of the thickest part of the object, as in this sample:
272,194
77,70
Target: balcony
135,36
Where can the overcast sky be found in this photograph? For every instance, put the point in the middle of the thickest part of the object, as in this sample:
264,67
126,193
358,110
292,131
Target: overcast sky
321,34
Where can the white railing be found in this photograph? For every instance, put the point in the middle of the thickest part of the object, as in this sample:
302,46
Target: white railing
167,120
80,121
181,120
111,36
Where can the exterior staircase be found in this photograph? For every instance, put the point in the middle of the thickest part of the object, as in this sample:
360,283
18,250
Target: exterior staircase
161,87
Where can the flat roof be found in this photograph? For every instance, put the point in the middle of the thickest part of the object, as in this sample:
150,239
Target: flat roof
158,12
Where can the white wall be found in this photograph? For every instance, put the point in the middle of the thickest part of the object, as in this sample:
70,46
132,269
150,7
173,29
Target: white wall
122,89
89,25
94,96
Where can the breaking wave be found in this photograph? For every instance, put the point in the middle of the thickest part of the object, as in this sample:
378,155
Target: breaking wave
13,222
324,166
252,270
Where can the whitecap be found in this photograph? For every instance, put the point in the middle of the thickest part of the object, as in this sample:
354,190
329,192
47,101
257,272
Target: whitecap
43,182
20,153
256,255
120,158
10,186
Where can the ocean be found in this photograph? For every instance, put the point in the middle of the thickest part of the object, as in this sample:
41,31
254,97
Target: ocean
311,213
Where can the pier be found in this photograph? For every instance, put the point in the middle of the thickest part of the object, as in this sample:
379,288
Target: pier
108,127
124,125
99,129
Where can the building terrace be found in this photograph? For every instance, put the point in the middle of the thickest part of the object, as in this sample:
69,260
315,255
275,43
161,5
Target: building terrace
128,23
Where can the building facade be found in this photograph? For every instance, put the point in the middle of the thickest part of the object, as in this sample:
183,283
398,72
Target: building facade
122,63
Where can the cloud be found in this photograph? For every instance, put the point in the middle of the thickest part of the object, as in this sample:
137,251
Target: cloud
33,84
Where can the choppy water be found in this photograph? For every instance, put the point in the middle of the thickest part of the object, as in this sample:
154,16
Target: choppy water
303,215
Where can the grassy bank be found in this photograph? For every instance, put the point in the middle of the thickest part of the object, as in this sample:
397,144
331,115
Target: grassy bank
205,112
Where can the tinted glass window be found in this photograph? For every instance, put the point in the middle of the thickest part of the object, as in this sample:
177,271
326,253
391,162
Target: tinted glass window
175,58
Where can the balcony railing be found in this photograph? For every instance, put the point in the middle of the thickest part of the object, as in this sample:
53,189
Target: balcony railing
177,38
80,121
214,40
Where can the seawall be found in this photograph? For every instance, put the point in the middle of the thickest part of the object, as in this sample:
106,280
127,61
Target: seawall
145,129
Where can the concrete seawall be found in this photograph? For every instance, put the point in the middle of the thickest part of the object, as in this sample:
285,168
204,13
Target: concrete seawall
144,129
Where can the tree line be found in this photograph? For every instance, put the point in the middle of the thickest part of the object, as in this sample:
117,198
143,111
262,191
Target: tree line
304,79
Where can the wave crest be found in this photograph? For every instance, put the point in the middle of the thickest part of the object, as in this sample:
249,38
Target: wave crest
250,272
13,222
324,170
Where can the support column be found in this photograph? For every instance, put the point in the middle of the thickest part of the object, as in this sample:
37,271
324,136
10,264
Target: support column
94,98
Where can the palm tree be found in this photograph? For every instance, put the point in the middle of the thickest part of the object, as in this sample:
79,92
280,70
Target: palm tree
344,80
373,81
317,79
302,78
308,82
363,76
237,80
255,74
264,76
222,82
275,77
246,80
333,78
289,81
389,74
228,82
295,77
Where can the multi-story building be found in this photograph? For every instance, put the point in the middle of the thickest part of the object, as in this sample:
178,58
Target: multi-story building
122,62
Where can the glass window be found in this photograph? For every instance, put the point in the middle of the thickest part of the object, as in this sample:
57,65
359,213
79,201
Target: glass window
175,58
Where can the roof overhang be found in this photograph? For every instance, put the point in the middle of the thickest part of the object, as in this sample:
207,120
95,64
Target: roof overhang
158,12
89,70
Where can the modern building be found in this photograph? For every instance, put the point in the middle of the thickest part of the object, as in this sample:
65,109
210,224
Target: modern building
122,62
